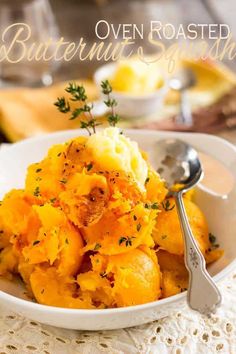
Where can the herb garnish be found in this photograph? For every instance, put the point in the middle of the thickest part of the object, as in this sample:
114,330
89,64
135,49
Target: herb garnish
62,105
103,274
127,240
64,181
78,94
151,206
139,227
212,239
89,166
97,246
37,191
113,118
166,205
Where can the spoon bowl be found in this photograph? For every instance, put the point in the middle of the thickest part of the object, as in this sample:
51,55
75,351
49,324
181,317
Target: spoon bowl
178,163
183,80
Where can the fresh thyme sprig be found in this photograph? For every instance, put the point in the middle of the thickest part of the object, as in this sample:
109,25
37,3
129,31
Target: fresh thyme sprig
113,118
62,105
78,94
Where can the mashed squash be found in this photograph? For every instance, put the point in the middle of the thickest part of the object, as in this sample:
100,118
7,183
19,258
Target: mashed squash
112,151
135,77
126,279
93,227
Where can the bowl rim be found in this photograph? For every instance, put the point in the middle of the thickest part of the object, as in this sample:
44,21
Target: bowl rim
128,96
109,311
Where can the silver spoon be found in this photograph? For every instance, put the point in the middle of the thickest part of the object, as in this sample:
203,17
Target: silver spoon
182,81
178,163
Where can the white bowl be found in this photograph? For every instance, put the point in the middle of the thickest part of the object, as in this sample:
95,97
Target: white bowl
220,212
131,106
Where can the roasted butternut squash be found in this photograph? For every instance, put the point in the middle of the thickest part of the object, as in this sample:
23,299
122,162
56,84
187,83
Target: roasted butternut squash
167,233
93,227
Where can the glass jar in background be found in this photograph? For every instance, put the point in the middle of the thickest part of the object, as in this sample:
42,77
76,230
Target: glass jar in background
38,15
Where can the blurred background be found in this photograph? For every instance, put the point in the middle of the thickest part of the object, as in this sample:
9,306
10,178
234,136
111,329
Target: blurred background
77,18
28,89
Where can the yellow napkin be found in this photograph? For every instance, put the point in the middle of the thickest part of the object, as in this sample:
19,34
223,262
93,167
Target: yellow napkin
26,112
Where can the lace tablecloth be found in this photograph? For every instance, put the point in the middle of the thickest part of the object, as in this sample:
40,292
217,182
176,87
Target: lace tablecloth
182,333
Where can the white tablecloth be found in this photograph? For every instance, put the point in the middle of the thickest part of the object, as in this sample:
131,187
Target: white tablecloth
182,333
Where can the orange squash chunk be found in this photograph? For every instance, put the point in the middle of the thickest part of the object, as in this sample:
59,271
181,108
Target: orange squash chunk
167,232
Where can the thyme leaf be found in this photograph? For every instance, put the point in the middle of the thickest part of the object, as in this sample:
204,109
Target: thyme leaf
78,94
89,166
37,191
212,239
97,246
127,240
113,118
151,206
166,205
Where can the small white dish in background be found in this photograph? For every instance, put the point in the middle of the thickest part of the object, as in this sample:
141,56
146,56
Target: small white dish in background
220,213
131,106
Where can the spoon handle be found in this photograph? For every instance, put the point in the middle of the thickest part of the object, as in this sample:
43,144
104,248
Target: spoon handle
203,294
185,115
